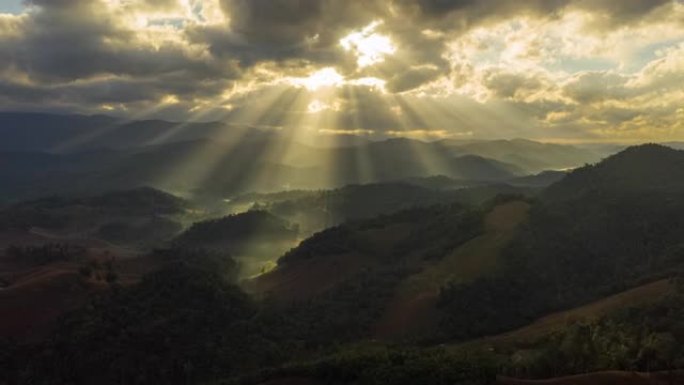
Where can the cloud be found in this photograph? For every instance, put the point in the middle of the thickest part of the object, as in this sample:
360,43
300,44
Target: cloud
589,87
539,68
261,30
469,13
412,78
515,85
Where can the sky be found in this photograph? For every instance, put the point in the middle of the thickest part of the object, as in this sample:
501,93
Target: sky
554,70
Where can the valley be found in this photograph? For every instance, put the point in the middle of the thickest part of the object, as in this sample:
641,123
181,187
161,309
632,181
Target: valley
308,284
341,192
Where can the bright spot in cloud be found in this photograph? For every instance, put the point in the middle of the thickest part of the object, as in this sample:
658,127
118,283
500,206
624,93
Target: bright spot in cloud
325,77
318,106
425,134
369,46
370,82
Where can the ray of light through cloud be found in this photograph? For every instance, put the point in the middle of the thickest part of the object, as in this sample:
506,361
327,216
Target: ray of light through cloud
570,71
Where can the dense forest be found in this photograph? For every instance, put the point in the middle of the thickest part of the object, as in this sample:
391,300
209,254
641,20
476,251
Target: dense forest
239,228
647,338
581,244
196,319
341,192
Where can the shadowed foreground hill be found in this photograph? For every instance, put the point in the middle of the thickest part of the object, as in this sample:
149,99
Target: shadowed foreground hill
140,215
317,210
596,232
641,169
493,268
255,238
604,378
233,230
390,245
57,252
413,308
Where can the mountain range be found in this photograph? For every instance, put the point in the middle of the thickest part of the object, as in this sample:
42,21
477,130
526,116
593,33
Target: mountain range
52,154
459,268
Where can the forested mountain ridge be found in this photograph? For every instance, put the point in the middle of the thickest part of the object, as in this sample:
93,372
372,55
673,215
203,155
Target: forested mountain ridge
255,239
600,230
644,168
173,167
382,249
237,228
490,268
317,210
527,154
120,215
46,154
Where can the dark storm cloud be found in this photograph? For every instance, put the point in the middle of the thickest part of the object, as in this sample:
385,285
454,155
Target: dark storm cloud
277,22
74,51
106,91
623,11
470,12
74,39
263,30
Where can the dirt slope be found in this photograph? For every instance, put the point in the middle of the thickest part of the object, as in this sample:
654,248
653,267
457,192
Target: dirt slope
633,297
304,279
605,378
413,306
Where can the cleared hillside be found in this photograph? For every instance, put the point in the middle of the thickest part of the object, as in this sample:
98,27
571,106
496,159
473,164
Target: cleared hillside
415,299
638,296
604,378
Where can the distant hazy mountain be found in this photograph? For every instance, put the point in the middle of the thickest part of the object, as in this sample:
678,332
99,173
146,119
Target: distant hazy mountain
526,154
43,154
209,168
68,133
675,145
51,132
543,179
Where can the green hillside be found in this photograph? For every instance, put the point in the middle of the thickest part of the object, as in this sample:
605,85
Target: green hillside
495,282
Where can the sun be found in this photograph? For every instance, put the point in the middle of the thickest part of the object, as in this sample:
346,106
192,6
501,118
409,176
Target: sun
370,47
325,77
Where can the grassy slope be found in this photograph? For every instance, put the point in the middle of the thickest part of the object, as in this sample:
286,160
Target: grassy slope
38,294
634,297
31,305
545,325
416,297
304,279
292,381
599,378
605,378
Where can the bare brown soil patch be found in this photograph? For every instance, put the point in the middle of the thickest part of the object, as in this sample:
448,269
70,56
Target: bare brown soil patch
605,378
633,297
305,279
413,305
